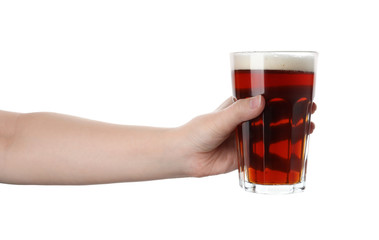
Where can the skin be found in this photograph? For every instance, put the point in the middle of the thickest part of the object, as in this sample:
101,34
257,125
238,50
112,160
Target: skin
50,148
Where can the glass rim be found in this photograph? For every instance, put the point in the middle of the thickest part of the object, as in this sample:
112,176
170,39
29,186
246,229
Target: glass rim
274,52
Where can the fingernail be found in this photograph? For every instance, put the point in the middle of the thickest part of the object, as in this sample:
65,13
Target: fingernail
255,101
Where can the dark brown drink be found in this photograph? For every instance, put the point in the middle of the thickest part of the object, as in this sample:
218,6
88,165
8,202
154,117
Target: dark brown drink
274,147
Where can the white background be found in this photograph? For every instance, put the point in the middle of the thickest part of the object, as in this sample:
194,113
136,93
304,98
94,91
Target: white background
161,63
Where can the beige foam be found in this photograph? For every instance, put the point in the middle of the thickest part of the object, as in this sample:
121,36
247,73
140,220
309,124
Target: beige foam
295,61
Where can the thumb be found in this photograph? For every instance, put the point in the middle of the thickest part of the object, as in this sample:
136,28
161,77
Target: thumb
240,111
210,130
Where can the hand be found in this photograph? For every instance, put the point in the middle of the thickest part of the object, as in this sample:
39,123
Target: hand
209,140
50,148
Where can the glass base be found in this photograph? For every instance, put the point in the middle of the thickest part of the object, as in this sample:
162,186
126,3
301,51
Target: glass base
273,189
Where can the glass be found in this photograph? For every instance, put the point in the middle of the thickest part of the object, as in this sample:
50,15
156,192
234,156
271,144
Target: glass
273,148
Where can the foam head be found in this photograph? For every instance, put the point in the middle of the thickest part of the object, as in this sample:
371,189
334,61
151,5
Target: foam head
289,61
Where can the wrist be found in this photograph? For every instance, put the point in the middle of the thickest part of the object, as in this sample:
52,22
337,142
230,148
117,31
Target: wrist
178,151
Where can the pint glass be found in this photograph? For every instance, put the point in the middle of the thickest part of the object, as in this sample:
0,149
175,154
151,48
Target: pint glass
273,148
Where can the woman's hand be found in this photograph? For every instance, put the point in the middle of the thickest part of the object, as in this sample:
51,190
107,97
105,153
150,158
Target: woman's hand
50,148
209,140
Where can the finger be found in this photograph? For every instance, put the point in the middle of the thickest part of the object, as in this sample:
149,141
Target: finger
312,127
314,107
242,110
226,104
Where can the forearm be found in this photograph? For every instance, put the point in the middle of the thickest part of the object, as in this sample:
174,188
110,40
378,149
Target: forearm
49,148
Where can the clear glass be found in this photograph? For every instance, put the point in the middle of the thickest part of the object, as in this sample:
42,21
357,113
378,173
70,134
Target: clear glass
272,149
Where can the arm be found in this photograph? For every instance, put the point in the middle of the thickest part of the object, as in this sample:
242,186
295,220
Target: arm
49,148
